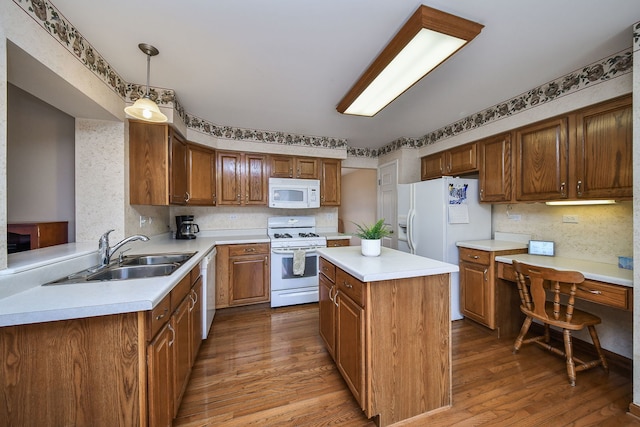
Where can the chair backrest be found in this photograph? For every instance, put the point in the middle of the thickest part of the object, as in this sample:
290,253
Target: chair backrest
531,286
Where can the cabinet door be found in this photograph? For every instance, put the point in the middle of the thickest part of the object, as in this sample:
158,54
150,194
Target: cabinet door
195,319
160,377
181,352
248,279
604,151
306,168
327,310
350,345
432,166
228,178
541,161
495,169
201,177
178,187
148,164
475,293
330,182
281,166
256,180
463,159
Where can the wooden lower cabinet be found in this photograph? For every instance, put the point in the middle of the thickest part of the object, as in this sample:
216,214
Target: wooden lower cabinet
243,274
479,291
390,340
114,370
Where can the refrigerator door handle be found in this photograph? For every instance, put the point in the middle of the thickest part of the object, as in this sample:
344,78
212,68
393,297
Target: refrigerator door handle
410,240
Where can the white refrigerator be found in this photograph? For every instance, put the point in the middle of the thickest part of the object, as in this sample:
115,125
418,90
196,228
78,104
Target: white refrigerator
433,215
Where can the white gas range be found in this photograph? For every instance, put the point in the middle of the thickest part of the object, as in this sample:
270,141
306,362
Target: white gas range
294,261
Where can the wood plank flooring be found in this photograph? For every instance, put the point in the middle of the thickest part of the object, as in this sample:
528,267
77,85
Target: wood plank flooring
268,367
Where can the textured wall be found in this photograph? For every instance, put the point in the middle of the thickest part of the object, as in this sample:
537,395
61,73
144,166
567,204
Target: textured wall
636,211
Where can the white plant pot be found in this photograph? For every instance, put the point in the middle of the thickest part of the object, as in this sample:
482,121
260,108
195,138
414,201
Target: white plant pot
370,247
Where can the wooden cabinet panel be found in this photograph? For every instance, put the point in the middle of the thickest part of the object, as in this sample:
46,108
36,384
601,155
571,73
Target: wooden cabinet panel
160,379
41,234
604,152
201,176
330,189
307,167
333,243
495,169
241,178
228,178
462,159
195,319
294,167
181,353
256,180
178,166
475,293
281,166
350,341
432,166
541,161
327,310
350,286
148,164
249,279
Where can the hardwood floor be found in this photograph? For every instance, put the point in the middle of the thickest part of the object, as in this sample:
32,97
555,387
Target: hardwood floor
268,367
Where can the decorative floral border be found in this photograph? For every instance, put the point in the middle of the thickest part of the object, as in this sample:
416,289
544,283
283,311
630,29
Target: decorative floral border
68,36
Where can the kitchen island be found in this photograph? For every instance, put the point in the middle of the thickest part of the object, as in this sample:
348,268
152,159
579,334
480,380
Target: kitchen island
385,321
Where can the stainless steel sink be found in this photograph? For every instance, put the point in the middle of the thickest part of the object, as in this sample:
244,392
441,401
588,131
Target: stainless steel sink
129,267
133,272
155,259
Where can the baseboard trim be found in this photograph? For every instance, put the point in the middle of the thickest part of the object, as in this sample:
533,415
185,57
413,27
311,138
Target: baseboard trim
634,410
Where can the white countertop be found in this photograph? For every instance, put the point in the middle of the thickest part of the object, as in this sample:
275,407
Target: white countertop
391,264
608,273
24,300
492,245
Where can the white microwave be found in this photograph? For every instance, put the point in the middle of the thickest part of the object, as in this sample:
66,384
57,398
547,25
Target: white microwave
291,193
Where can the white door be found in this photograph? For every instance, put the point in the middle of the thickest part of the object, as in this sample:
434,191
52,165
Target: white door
387,206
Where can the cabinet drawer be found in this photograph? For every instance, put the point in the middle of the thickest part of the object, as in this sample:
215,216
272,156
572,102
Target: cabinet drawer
603,293
328,269
350,286
249,249
157,317
475,256
334,243
180,291
507,272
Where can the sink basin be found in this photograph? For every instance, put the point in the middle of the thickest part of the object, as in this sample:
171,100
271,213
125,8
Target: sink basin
155,259
133,272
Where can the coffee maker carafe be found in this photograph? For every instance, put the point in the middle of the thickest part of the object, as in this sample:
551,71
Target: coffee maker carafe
186,228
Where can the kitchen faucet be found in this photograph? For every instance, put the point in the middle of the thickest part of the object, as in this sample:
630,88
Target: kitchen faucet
106,252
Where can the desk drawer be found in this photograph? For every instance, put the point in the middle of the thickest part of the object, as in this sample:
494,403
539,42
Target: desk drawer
474,255
603,293
506,272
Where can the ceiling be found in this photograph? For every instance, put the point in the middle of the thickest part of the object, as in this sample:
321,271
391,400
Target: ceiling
283,65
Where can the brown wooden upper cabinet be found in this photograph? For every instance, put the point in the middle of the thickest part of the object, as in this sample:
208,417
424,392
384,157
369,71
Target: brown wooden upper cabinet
178,187
330,178
241,178
201,167
294,167
604,151
455,161
495,169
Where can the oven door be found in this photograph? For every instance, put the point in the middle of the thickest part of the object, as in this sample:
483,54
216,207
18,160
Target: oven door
282,276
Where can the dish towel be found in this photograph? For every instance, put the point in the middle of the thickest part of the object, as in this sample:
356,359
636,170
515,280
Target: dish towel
298,262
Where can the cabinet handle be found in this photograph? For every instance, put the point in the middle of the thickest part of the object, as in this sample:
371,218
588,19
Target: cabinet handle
249,249
474,256
173,334
482,194
562,187
290,172
335,298
347,284
187,197
331,290
238,197
484,273
266,259
579,188
591,291
160,316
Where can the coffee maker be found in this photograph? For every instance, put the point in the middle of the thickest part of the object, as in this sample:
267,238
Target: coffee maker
186,228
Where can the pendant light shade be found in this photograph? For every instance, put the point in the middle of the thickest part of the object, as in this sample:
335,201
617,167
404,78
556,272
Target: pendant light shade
145,108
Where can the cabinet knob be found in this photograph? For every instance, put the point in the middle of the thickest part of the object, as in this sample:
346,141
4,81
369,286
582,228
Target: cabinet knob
474,256
579,188
562,187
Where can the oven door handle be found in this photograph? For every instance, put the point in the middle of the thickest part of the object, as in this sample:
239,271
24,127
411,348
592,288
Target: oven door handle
290,251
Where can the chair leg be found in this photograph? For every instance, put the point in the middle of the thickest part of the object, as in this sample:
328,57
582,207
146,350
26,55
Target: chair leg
523,332
596,343
547,335
571,367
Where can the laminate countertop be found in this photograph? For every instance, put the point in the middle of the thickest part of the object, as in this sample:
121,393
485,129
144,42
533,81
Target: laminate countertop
391,264
491,245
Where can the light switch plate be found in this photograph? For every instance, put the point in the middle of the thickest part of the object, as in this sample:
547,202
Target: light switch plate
541,247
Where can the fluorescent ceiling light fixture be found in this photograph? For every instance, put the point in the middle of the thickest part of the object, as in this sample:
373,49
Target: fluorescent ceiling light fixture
145,108
426,40
581,202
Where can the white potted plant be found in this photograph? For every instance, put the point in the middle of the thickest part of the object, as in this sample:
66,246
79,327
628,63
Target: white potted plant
371,237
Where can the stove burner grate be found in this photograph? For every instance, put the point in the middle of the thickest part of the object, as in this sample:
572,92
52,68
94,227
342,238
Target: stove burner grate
282,236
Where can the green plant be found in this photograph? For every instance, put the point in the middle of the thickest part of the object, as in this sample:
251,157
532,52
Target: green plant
373,232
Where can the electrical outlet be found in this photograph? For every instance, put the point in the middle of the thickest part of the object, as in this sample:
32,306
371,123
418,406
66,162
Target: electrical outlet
329,216
233,217
516,217
570,219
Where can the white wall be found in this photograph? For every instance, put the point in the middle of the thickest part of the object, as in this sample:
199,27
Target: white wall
40,161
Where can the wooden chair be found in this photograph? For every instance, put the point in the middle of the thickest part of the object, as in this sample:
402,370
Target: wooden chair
534,304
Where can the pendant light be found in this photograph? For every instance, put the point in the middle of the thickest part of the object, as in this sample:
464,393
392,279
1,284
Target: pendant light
145,108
